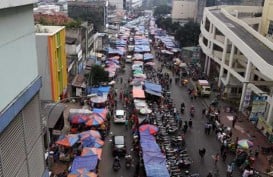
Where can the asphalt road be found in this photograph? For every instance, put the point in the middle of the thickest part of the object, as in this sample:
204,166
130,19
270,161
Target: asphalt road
195,137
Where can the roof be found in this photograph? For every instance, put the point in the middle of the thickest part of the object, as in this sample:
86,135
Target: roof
256,45
120,112
52,112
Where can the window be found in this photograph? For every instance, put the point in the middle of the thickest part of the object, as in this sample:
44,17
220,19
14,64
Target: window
270,27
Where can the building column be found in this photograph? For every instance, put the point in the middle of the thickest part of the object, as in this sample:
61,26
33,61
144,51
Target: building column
269,117
230,61
208,68
223,62
246,82
206,64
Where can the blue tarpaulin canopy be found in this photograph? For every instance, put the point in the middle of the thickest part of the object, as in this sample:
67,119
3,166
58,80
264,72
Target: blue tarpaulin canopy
153,87
142,48
148,56
98,90
88,162
115,51
154,160
154,170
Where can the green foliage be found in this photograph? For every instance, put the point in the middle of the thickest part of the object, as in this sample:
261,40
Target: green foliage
97,75
162,10
188,35
73,24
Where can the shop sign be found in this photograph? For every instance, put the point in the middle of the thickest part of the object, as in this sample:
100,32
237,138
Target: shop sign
56,132
258,108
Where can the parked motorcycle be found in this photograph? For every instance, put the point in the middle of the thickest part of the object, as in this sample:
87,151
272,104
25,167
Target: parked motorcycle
116,164
128,161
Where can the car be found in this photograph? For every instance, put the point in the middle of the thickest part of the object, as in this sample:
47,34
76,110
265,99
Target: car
120,116
128,59
118,146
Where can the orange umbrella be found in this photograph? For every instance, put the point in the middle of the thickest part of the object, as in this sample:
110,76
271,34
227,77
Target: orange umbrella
92,151
138,93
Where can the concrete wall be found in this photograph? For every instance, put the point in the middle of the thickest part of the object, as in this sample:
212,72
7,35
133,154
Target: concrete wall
43,67
184,9
18,54
117,3
267,16
14,3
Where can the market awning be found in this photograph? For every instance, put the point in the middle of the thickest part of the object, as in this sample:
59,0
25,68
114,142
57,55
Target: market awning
87,162
52,112
153,87
138,93
78,81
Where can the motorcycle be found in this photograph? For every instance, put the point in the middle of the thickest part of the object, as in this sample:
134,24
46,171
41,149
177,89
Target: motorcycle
192,113
116,164
182,109
128,161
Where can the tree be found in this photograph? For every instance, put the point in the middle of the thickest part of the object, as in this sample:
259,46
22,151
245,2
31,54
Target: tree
162,10
188,35
97,75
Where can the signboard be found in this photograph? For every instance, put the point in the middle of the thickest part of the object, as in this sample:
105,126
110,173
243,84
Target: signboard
56,132
78,92
258,108
247,98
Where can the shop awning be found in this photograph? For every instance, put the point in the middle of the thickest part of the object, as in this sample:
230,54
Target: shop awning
52,112
78,81
138,93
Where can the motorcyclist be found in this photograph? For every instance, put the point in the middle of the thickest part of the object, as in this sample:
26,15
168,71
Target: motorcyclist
128,160
116,164
182,107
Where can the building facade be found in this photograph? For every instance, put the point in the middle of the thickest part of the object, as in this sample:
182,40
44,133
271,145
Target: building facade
52,64
21,140
231,41
267,20
183,11
95,12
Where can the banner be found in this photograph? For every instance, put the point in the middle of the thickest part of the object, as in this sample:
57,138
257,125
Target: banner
247,98
258,108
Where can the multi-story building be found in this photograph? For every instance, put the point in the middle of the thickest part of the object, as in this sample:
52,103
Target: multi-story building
118,4
21,140
187,10
50,43
234,43
95,12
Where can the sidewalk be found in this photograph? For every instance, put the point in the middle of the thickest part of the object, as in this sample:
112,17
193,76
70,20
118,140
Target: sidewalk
244,129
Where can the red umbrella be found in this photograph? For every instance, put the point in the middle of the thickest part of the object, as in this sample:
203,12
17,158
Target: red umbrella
68,140
148,128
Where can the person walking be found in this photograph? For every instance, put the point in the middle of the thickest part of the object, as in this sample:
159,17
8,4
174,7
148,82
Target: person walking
190,123
216,158
126,124
202,152
234,120
229,170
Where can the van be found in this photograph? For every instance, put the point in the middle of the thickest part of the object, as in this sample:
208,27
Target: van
203,88
120,116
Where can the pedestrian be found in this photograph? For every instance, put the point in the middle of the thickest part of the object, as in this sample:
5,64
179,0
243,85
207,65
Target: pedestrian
234,120
222,149
224,156
229,170
185,128
210,175
209,128
126,124
180,123
190,123
121,80
171,81
202,152
216,158
203,112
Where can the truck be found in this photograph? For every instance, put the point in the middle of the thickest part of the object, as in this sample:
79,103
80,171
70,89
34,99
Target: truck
203,88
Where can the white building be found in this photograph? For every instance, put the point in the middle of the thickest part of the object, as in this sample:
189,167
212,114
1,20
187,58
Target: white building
187,10
231,40
21,140
119,4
